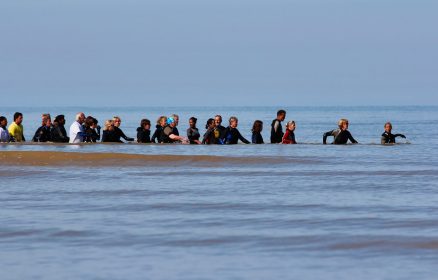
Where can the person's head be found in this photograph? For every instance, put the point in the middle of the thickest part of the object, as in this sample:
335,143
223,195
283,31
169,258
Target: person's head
257,126
192,122
59,119
145,124
117,121
171,122
290,125
80,117
46,120
343,124
18,118
109,125
176,118
218,120
388,127
233,122
3,121
281,115
162,121
211,123
91,122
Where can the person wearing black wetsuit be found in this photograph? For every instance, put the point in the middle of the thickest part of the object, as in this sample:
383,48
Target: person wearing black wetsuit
44,132
118,133
91,130
388,137
144,132
59,134
276,127
219,130
209,136
193,132
108,134
341,135
168,134
257,128
232,133
161,123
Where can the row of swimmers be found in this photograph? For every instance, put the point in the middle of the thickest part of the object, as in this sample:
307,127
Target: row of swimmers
86,129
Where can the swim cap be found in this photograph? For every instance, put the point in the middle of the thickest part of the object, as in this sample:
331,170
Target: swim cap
170,120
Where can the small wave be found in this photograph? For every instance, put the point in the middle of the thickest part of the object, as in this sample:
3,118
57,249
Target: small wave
54,159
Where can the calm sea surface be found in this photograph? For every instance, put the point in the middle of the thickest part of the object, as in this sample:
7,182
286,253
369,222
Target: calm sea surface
307,211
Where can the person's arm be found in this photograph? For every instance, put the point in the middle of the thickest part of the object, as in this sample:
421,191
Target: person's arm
124,136
242,138
350,137
254,138
36,137
400,135
327,134
276,125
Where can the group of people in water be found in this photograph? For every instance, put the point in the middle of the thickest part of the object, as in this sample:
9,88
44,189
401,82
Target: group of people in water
86,129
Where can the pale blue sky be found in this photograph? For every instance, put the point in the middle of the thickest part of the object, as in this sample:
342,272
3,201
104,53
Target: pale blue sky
227,52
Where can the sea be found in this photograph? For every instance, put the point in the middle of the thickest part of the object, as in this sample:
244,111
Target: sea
174,211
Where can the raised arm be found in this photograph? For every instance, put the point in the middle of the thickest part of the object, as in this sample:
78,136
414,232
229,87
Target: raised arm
327,134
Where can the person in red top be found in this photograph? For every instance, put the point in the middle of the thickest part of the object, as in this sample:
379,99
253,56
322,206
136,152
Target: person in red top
289,136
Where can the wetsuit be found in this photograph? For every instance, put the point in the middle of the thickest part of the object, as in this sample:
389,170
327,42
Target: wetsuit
389,138
233,136
193,135
43,134
165,135
156,137
289,137
209,137
110,136
276,132
341,137
119,134
59,134
143,135
257,138
91,135
219,134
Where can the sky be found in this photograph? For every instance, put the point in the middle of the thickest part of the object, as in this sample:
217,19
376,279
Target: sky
224,52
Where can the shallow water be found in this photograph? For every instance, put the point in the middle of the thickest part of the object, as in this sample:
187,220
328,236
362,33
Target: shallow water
226,212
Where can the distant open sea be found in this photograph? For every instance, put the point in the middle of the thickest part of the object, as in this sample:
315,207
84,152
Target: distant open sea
306,211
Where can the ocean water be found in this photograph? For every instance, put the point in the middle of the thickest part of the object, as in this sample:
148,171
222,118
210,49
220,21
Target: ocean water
306,211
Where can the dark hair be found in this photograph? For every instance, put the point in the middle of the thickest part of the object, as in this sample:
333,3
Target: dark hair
58,118
209,122
144,122
193,119
17,115
281,112
257,126
2,118
89,121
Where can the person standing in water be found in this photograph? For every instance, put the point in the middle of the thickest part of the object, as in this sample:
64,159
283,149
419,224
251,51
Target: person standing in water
92,130
289,135
193,131
76,129
341,135
144,131
4,133
168,134
219,131
118,132
257,128
387,136
161,124
16,130
232,133
44,132
276,128
209,136
59,134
